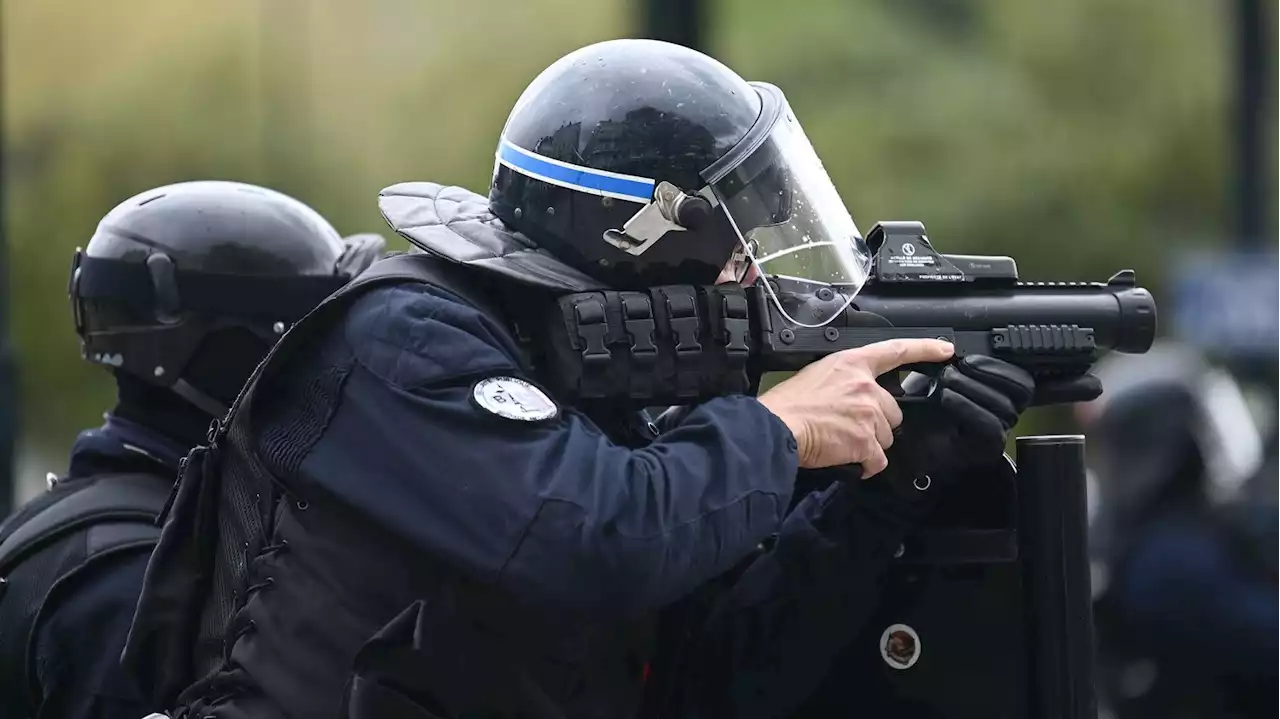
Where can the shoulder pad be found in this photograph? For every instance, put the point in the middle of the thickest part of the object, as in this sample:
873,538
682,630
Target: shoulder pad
456,224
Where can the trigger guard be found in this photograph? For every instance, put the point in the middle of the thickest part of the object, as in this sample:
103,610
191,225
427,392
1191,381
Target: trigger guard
914,387
892,384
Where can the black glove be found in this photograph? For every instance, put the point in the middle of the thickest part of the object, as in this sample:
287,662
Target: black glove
1084,388
978,400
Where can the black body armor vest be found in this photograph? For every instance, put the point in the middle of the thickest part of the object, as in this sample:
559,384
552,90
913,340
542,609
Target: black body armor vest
255,604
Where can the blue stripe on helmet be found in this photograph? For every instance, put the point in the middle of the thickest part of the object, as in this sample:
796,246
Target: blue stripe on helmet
576,177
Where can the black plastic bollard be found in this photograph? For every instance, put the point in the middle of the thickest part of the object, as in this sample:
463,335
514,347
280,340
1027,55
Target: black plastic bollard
1053,543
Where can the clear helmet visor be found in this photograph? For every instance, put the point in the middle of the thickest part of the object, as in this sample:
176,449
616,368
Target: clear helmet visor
793,226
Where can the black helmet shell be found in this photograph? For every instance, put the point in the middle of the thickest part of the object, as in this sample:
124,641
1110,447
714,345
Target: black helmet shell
639,109
220,227
202,267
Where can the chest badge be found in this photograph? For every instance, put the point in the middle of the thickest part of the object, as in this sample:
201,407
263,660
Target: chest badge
900,646
513,398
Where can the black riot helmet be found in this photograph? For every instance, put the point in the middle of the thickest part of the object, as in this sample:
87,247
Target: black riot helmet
1171,424
643,163
212,269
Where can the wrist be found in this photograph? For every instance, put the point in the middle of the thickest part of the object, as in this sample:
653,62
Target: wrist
797,434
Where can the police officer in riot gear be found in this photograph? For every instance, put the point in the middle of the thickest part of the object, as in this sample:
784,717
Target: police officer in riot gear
398,519
180,293
1185,557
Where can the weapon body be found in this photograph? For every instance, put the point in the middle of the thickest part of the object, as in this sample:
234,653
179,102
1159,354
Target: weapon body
975,302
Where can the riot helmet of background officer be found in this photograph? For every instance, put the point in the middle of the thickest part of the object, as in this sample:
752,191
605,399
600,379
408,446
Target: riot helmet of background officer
186,286
644,163
1171,423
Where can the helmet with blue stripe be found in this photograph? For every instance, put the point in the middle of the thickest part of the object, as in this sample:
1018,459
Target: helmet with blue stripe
644,163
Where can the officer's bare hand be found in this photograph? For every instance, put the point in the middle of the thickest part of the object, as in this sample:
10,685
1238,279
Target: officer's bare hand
837,412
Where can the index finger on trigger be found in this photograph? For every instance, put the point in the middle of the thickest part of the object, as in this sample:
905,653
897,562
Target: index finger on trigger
889,355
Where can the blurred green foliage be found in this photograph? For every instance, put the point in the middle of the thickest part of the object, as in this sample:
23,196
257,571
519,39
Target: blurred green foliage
1080,136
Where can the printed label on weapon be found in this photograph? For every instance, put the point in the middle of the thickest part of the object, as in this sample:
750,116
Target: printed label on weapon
900,646
911,260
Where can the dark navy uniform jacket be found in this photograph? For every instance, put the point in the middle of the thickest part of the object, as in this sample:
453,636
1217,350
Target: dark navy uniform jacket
560,541
78,637
552,510
559,514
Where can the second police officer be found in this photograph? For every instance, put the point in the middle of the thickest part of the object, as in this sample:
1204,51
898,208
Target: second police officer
180,293
1184,549
400,520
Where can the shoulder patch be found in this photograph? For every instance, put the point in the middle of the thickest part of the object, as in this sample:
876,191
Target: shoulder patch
513,398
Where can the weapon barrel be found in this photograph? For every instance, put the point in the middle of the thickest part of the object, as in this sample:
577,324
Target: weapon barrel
1122,316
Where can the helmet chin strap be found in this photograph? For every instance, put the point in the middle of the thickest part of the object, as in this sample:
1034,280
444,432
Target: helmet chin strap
204,402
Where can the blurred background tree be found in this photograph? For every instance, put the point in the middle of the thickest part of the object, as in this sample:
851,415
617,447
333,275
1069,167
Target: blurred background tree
1080,136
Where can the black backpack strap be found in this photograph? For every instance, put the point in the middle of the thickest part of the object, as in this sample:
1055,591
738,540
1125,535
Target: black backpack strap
54,537
118,509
